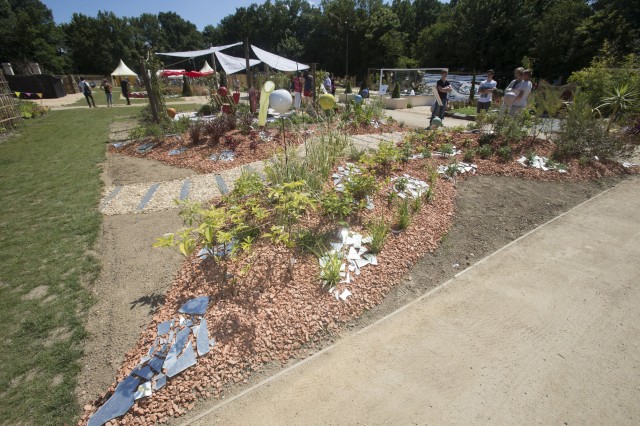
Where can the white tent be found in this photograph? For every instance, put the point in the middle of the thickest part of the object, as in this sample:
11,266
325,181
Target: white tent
195,53
232,64
278,62
206,67
123,70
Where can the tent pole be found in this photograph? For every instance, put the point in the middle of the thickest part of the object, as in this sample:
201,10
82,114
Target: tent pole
246,56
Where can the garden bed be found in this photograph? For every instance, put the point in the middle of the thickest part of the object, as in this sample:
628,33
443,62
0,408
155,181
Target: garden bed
268,316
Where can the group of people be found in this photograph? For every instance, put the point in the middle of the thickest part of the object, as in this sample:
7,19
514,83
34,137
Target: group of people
85,88
301,87
521,87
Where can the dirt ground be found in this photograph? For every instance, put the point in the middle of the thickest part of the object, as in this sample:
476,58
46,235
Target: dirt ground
490,212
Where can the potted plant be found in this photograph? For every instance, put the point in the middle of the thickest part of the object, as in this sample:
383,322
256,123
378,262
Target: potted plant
396,102
348,93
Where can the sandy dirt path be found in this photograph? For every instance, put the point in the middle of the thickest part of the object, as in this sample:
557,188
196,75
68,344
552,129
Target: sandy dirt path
545,331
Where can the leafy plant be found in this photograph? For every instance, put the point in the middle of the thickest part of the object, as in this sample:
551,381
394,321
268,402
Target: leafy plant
416,204
406,151
385,156
446,149
336,205
469,155
396,91
487,139
330,267
484,151
347,89
195,132
379,231
401,184
403,215
622,99
361,185
581,135
504,153
452,169
529,156
219,126
249,183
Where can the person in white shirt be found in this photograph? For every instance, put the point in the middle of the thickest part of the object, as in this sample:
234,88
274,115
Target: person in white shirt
486,92
86,90
522,89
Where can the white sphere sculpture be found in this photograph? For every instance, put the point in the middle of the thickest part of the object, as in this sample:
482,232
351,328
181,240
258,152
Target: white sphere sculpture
280,100
509,98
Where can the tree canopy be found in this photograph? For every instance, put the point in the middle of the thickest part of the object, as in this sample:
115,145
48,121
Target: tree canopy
556,36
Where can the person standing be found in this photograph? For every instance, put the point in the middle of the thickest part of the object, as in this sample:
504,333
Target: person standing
106,86
524,88
333,84
514,89
327,83
124,85
443,86
308,85
486,93
86,90
296,88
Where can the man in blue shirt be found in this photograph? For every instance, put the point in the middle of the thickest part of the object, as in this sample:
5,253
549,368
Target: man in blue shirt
486,92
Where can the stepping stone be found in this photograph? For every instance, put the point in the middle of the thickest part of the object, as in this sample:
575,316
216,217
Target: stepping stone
152,190
222,186
184,191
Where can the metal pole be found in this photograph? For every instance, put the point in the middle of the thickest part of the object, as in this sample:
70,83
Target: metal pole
347,70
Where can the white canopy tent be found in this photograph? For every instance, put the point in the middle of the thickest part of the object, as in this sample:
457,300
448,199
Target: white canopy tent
278,62
232,64
123,72
206,67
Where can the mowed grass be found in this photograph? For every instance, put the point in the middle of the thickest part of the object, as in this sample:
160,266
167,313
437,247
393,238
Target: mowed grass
50,188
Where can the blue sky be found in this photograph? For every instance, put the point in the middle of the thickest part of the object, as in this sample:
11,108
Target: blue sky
200,12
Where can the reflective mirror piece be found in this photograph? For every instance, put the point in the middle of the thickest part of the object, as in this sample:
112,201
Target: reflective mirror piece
119,403
197,306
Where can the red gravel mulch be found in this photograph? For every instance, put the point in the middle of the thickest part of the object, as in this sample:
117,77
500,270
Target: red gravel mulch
248,147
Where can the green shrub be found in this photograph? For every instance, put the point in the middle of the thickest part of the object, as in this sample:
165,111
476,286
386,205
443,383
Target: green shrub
403,215
487,139
386,155
338,206
406,151
205,109
583,135
347,89
446,148
360,186
330,267
379,231
504,153
396,91
484,151
186,87
469,155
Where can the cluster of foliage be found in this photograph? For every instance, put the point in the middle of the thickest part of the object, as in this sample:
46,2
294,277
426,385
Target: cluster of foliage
30,109
558,37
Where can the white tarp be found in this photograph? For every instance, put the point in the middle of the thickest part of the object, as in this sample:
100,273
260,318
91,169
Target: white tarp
232,64
194,53
278,62
122,70
206,67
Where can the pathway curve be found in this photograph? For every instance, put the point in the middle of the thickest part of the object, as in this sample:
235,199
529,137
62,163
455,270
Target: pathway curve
156,196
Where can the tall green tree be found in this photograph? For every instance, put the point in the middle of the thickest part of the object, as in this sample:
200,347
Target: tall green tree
554,37
29,34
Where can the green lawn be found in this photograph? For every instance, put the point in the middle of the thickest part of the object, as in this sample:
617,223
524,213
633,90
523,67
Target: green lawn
50,188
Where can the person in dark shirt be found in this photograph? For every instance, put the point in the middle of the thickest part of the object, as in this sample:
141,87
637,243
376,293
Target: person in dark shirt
124,85
444,88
